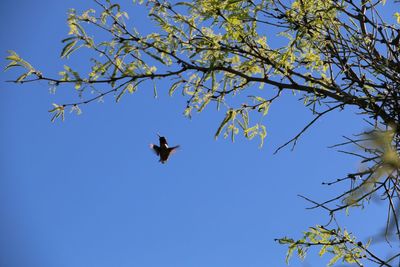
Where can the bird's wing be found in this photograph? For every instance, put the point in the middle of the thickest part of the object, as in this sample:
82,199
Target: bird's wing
156,149
173,149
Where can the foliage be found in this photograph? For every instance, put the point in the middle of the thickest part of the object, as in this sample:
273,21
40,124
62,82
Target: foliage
335,54
340,244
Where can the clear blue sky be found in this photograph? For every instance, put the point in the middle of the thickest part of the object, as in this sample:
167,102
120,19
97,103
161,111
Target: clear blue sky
89,192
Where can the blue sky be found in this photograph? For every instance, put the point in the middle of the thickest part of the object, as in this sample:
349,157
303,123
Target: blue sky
89,192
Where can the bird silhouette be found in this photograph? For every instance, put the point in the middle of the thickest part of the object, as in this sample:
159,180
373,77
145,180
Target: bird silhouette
163,151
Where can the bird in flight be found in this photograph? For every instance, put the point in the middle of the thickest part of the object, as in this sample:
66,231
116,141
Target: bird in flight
163,151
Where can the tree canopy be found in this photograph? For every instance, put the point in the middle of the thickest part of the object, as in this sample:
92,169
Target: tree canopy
240,55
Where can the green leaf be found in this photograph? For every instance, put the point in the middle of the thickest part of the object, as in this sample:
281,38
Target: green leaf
68,39
229,115
334,259
115,5
397,16
349,258
174,87
155,90
188,111
22,77
214,84
264,108
184,4
80,28
58,111
103,17
55,116
78,85
67,49
289,253
285,240
17,61
157,58
120,94
262,134
12,64
131,88
251,132
322,250
89,42
13,56
76,109
56,107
